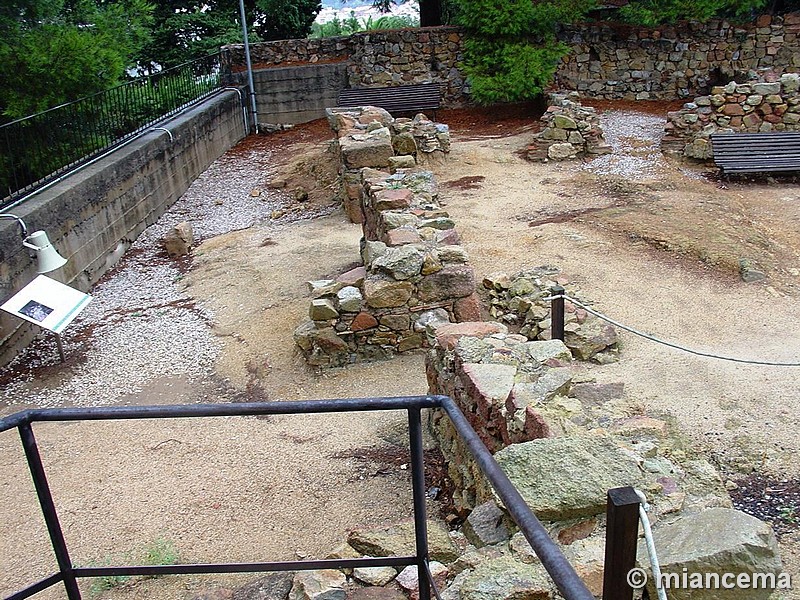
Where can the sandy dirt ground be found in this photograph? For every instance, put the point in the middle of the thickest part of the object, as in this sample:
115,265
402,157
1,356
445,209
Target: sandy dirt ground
654,244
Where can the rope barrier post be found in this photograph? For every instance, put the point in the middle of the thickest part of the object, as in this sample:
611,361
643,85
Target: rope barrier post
557,313
622,533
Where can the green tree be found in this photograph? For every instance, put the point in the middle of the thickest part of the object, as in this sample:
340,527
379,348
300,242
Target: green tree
656,12
511,51
54,51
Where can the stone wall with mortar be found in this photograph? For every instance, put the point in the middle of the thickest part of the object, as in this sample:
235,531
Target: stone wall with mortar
371,59
635,63
770,103
606,60
564,440
93,215
415,273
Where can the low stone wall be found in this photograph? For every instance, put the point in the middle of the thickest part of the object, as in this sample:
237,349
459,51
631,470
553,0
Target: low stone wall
771,103
564,441
415,275
570,130
93,215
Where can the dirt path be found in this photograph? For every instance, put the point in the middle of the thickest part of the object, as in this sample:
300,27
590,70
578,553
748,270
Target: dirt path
655,247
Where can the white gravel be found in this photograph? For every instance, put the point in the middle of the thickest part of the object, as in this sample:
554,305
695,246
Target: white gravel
140,326
635,138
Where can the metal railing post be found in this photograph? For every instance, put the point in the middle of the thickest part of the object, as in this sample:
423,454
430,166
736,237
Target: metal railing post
622,532
418,487
49,511
557,313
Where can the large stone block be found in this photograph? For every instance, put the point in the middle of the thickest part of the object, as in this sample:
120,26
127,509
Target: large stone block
568,477
399,540
386,293
371,149
453,281
717,541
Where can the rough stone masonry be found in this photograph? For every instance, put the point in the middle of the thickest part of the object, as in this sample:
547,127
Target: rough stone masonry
415,274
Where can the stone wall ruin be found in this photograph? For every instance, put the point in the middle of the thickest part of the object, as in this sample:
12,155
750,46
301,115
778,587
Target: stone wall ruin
415,273
770,103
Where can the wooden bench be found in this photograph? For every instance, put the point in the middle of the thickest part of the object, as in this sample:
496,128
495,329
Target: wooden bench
756,152
395,99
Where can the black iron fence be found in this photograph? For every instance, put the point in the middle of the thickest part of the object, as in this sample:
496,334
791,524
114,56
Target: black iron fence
36,149
564,576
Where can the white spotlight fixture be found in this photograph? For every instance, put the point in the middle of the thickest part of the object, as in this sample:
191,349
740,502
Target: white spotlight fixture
47,256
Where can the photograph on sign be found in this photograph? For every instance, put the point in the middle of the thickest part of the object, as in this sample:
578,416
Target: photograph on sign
36,311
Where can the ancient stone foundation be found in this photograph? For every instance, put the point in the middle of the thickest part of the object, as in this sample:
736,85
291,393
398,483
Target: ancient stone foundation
770,103
564,440
569,130
415,275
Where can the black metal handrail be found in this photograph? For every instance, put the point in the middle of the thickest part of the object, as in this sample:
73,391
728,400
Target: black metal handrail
38,148
566,579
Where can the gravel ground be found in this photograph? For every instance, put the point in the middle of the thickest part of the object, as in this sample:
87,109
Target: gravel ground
140,325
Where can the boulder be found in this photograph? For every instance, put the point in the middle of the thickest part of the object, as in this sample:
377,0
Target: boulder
404,144
401,262
399,540
717,540
408,579
484,525
453,281
374,575
392,198
274,586
506,579
322,309
562,151
371,149
327,584
386,293
447,335
179,240
568,477
587,339
349,299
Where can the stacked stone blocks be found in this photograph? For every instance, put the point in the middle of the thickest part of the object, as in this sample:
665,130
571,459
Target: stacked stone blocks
771,103
569,130
415,274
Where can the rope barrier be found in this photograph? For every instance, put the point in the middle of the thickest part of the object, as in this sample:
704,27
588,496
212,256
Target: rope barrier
651,546
670,344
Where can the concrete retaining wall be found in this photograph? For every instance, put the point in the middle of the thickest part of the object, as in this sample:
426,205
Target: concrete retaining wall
94,215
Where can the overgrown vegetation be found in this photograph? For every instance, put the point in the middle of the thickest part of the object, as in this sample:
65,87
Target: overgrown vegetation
511,51
351,25
655,12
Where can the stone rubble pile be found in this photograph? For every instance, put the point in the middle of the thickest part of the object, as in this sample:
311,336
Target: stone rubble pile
519,301
415,274
370,137
570,130
769,103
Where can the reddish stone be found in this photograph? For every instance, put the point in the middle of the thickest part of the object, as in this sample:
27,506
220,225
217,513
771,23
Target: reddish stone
447,335
764,21
732,110
535,426
578,531
353,277
353,190
363,321
751,121
765,109
773,119
736,122
467,309
352,207
392,199
448,237
401,237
